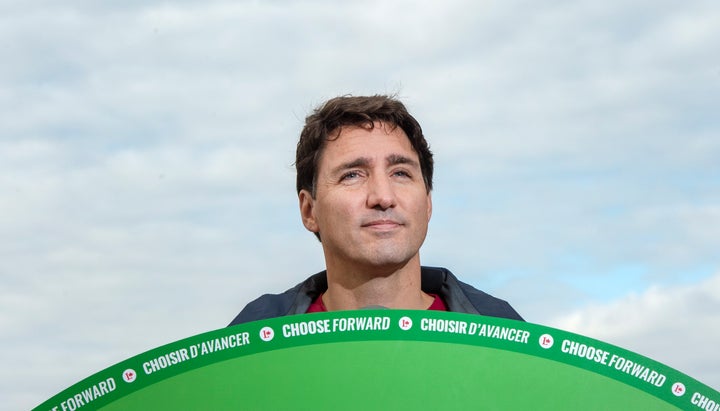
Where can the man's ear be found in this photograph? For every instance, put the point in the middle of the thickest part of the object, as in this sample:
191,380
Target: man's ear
307,211
429,208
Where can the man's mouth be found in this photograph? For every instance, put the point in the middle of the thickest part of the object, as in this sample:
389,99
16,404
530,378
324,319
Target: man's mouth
382,224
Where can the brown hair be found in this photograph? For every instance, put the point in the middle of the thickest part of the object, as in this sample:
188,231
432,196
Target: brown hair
325,122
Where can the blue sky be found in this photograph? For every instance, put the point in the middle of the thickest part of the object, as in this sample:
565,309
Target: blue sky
147,187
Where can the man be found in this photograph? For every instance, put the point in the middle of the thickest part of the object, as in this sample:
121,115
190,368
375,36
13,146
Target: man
364,181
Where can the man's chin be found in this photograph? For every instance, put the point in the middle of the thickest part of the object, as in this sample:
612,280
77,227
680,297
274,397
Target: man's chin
387,261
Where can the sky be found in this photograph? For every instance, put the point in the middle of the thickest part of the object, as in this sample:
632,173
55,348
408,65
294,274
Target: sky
147,181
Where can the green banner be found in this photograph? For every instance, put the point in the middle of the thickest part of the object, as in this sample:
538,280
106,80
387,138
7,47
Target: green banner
387,359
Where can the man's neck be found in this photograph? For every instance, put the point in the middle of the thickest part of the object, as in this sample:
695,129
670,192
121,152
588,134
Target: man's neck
391,287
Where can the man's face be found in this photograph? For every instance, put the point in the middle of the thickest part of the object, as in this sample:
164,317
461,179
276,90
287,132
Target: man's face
371,206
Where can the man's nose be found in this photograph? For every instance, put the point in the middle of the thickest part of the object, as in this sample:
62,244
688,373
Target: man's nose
381,193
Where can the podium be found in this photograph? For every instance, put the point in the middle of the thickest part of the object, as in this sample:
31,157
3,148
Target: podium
387,359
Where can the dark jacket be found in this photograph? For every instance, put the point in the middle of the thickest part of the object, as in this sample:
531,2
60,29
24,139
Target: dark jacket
458,297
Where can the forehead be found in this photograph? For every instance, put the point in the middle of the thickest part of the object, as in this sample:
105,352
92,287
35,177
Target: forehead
355,141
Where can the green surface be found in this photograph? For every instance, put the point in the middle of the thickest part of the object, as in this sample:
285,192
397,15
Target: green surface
314,361
398,375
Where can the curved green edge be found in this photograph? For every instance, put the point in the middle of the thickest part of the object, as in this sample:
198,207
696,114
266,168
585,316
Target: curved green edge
386,368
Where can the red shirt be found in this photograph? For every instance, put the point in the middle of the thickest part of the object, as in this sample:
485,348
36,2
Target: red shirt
317,306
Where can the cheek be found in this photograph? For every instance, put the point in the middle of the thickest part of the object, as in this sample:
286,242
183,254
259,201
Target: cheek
335,209
422,205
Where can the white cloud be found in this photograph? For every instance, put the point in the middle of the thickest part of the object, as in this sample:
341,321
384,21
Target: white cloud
678,326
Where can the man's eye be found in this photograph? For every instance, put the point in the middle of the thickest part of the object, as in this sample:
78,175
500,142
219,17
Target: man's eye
349,175
402,173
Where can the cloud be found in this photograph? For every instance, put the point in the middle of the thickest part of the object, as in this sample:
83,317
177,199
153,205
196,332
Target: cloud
678,326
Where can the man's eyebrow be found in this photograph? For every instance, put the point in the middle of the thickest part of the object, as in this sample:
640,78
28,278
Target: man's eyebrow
358,162
394,159
364,162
